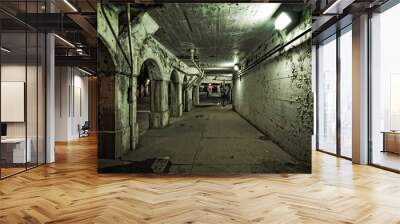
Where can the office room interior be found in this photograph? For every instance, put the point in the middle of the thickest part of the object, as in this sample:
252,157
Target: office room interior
199,112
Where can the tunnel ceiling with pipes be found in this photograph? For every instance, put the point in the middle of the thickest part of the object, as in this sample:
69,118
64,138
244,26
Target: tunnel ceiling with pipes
216,31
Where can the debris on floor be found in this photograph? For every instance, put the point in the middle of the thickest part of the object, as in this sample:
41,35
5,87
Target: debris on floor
154,165
160,164
264,138
199,115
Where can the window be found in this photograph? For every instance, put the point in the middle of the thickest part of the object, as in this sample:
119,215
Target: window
346,92
385,89
333,106
327,95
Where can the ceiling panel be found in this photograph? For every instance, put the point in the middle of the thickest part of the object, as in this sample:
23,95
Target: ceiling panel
217,31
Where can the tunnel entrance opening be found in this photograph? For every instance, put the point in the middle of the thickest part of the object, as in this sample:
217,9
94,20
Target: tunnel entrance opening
214,94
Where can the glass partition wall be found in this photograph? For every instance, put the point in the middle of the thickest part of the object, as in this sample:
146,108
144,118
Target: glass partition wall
334,93
385,89
22,95
327,95
345,62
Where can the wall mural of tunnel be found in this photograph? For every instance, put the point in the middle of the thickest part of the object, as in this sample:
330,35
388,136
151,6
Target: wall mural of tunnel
204,89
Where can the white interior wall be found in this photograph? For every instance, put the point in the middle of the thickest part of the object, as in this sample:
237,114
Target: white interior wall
71,87
16,73
33,127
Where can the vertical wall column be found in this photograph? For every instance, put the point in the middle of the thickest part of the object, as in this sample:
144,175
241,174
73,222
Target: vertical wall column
188,100
114,103
177,106
133,112
159,116
50,97
360,90
106,116
196,95
113,116
92,95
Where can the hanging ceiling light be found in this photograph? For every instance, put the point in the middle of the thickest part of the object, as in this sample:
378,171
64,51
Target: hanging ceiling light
282,21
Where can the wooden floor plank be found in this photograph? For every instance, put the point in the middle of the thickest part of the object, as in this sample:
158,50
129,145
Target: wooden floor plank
71,191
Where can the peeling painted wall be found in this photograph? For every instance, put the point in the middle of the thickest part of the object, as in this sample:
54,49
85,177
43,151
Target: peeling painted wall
276,95
121,53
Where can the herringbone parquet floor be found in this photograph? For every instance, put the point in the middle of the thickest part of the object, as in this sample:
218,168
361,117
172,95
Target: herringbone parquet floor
71,191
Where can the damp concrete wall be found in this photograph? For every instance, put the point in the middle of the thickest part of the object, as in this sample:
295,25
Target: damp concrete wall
121,54
275,95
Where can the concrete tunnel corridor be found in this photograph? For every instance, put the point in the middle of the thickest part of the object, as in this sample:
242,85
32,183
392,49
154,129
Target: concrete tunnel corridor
212,139
221,97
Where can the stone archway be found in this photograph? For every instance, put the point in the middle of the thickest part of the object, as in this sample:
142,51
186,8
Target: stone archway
175,95
157,106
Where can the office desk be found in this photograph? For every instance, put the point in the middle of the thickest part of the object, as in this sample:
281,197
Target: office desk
13,150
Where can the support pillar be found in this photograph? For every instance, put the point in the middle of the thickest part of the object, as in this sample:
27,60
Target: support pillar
188,100
177,106
159,116
50,98
114,108
360,90
133,112
196,95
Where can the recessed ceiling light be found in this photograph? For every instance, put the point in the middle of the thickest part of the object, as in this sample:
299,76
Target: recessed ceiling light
64,40
282,21
84,71
70,5
5,50
236,67
263,12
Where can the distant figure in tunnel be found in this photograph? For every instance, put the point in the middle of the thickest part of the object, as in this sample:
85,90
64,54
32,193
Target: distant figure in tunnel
209,89
225,92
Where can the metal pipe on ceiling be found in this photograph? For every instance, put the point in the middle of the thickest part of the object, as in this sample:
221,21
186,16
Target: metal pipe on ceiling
201,74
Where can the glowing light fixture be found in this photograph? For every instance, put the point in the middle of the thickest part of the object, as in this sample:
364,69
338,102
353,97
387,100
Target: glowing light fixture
262,12
236,67
282,21
70,5
5,50
65,41
84,71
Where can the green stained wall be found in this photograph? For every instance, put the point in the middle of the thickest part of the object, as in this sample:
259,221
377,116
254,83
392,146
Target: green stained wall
117,78
114,77
276,94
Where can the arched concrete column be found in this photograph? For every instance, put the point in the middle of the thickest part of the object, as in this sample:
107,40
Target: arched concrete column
114,122
188,100
159,116
176,107
159,113
133,113
196,95
175,91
